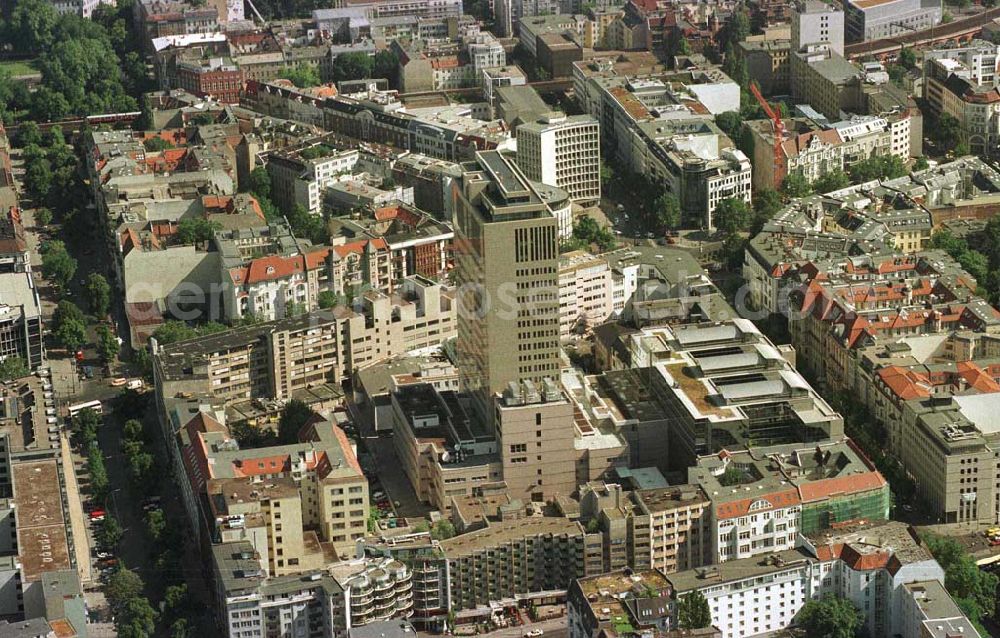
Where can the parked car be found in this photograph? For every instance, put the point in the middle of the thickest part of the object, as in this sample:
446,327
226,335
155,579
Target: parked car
118,382
97,519
533,633
97,513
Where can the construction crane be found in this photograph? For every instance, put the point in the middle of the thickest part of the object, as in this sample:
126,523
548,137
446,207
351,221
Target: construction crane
779,134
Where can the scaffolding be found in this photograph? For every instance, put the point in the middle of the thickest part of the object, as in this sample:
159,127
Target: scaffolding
834,512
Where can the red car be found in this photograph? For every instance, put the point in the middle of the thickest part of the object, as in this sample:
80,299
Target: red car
98,513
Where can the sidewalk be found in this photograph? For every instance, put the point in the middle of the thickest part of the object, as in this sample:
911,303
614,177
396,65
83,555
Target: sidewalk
77,517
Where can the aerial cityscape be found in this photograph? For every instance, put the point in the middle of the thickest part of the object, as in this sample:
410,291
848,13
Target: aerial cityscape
499,318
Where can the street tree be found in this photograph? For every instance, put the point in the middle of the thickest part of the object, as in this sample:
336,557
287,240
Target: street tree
668,211
57,265
109,533
97,471
107,344
71,334
732,215
122,586
98,294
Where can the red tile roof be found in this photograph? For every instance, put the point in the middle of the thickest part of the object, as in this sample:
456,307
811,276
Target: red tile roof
274,267
776,500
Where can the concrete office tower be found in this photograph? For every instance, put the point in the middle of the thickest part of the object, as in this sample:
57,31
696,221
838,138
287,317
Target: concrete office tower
507,261
816,22
565,152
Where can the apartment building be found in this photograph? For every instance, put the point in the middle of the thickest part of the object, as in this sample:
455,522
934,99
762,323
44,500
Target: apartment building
279,358
505,235
417,243
666,528
814,234
764,498
294,503
565,152
873,19
20,319
813,150
13,242
217,78
969,94
638,599
529,555
428,569
585,292
376,589
870,566
680,528
299,176
661,125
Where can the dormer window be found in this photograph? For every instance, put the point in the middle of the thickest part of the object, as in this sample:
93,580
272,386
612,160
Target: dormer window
270,270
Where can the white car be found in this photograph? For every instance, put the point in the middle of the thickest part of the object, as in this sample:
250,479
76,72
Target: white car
533,633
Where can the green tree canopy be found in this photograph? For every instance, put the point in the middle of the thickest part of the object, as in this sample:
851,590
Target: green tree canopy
879,167
172,331
260,183
795,185
13,367
294,416
326,299
107,344
67,310
57,264
352,66
732,215
98,294
730,123
71,334
109,532
830,617
303,76
668,211
195,230
832,181
693,611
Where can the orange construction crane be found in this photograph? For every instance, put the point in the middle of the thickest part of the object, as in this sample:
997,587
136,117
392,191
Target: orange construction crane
779,135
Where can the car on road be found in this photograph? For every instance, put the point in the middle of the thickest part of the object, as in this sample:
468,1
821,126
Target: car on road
533,633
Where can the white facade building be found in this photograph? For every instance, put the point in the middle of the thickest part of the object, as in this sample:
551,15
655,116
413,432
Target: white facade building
297,180
565,152
585,292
